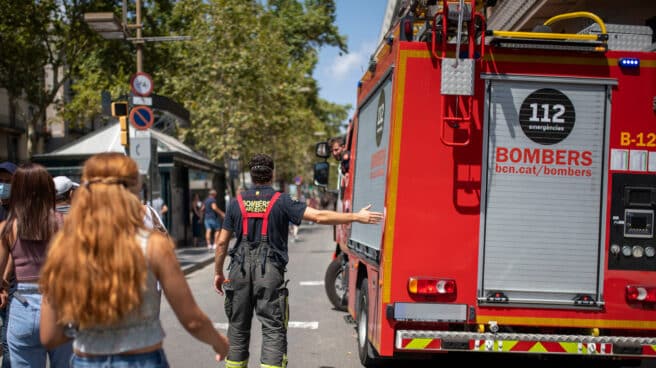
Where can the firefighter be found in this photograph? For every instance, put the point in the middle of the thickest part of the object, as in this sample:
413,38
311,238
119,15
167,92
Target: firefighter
259,217
340,153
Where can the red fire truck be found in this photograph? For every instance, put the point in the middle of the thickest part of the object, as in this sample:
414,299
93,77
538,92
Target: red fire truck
516,173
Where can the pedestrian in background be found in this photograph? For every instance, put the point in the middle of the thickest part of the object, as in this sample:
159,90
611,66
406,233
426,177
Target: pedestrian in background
256,280
213,217
160,207
25,235
110,307
64,188
196,216
7,170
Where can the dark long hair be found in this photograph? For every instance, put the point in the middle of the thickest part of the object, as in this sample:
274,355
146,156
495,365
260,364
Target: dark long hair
31,204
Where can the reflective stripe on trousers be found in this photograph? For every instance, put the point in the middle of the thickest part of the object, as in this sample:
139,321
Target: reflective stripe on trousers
250,289
231,364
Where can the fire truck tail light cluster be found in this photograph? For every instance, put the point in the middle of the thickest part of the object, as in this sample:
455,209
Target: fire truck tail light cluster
645,294
431,286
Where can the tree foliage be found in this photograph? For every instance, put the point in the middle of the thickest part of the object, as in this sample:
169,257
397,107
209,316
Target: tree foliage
246,75
41,43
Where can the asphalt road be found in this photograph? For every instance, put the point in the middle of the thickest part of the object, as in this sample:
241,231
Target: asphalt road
318,335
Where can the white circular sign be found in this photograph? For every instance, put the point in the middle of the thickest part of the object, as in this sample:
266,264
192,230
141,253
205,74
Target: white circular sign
142,84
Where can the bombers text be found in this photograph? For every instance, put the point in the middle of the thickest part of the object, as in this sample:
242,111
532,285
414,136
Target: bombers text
544,156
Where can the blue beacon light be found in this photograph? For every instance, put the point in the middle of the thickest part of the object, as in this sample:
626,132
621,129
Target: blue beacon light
629,62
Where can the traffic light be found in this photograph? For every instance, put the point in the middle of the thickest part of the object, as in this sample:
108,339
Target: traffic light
119,108
125,135
120,111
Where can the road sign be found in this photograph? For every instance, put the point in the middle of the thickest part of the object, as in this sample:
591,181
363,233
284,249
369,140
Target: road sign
142,117
140,151
141,84
138,100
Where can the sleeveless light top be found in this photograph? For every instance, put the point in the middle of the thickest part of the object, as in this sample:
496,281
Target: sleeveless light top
141,328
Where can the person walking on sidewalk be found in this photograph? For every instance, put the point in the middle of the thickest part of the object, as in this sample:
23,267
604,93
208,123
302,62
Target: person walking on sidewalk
64,189
24,239
110,307
7,170
196,216
212,218
260,217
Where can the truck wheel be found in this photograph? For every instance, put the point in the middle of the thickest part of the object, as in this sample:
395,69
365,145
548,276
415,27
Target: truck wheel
368,356
334,283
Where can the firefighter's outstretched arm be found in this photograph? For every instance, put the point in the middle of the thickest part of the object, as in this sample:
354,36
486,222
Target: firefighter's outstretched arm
219,259
364,216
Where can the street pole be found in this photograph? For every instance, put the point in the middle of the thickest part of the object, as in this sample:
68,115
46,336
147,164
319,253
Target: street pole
139,40
106,24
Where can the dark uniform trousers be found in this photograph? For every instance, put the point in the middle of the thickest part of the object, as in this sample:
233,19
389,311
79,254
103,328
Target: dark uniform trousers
256,283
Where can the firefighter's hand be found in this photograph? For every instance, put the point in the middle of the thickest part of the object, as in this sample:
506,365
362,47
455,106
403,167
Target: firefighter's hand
369,217
219,279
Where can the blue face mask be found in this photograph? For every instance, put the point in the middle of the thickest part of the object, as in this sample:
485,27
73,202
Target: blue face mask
5,190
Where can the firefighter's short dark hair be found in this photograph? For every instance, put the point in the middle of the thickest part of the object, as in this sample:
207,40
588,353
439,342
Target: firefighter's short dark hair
261,166
339,139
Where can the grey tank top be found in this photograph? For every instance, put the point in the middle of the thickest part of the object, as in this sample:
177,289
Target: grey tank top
140,329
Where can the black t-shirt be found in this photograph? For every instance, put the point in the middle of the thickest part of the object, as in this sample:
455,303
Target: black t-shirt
210,214
284,211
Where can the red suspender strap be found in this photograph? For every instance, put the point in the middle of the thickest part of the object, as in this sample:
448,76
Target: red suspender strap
244,215
265,216
265,222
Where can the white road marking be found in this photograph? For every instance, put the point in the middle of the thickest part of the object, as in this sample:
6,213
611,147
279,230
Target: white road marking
311,283
309,325
292,324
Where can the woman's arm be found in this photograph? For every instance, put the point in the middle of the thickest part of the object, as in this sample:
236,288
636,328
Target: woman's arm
6,264
166,268
51,333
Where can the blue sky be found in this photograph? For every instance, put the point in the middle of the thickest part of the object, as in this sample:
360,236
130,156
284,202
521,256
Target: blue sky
360,21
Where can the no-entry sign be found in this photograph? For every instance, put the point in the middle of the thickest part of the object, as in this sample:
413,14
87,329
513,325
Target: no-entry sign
142,117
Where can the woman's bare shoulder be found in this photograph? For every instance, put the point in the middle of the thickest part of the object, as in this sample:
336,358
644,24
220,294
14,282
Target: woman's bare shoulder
159,244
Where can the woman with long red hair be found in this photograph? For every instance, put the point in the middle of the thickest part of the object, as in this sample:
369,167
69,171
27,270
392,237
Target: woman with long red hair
104,275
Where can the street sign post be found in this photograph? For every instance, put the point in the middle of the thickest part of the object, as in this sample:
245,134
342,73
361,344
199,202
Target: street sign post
142,117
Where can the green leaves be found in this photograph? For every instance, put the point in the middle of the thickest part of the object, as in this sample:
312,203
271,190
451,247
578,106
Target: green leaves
246,75
246,78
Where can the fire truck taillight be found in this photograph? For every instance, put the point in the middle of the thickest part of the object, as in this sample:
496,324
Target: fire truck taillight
643,294
430,286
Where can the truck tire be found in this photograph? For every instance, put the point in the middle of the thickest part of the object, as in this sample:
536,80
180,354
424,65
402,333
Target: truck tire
368,356
334,284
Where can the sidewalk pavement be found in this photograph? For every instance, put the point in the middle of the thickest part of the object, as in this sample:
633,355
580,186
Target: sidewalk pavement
194,258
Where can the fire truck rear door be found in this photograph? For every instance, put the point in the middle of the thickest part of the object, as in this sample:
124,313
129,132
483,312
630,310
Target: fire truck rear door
371,166
541,216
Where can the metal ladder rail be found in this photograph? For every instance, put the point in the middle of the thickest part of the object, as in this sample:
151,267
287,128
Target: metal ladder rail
461,110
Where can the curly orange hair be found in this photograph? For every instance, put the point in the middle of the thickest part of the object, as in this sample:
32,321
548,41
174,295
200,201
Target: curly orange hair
95,270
